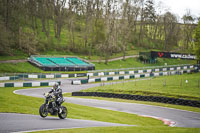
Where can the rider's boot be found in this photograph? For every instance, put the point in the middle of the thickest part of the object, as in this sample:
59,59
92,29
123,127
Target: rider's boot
60,110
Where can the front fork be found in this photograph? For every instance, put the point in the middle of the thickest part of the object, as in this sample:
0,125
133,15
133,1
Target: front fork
46,104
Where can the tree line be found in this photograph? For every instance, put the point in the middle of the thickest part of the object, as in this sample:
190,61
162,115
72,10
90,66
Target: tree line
92,27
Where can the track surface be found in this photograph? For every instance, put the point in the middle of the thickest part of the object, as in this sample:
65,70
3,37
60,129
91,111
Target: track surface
180,117
10,122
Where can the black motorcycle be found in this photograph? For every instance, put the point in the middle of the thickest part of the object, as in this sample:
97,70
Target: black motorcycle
51,107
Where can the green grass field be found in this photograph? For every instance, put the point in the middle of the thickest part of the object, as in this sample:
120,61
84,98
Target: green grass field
169,86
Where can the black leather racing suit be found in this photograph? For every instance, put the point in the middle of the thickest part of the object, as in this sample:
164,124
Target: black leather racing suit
58,94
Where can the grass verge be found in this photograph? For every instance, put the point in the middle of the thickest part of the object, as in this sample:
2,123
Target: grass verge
142,129
14,103
168,86
187,108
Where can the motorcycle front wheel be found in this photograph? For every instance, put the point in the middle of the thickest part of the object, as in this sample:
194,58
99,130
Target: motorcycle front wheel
63,114
43,111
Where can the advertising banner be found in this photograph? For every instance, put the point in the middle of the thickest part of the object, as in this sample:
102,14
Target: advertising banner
172,55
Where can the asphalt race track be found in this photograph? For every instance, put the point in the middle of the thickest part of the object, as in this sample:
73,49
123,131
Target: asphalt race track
175,117
10,122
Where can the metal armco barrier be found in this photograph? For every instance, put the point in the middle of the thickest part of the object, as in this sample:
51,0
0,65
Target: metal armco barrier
160,99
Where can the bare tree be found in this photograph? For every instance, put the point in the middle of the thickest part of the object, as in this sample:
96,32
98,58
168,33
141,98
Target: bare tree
124,27
141,31
171,30
59,11
188,29
109,20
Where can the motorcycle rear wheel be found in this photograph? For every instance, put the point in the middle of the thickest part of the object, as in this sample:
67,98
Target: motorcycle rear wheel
43,111
63,114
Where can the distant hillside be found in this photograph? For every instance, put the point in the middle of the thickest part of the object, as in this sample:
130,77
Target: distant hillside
90,28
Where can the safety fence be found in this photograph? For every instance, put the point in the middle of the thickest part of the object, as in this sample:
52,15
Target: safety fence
160,99
39,76
133,76
158,69
90,74
29,84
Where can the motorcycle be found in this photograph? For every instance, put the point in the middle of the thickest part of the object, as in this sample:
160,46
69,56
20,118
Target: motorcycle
51,107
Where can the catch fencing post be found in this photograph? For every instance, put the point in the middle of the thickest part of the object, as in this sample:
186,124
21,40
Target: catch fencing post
181,83
164,82
150,82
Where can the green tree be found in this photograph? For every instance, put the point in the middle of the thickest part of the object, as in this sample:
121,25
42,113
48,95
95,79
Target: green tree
197,41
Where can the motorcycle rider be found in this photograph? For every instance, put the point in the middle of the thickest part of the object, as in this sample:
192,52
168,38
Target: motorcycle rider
57,91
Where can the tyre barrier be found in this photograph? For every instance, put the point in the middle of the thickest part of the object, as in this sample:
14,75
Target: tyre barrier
29,84
159,99
156,74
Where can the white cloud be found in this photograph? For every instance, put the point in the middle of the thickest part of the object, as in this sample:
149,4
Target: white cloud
179,6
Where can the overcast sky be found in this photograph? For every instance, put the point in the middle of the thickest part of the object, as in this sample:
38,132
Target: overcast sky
179,6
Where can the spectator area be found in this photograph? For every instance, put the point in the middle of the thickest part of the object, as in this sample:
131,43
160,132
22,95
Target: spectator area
61,63
77,61
44,61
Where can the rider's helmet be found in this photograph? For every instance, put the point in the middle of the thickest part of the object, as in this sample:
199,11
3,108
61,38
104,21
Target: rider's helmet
55,86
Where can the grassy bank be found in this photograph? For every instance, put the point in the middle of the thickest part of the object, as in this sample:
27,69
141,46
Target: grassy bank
4,58
133,62
23,67
168,86
26,67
